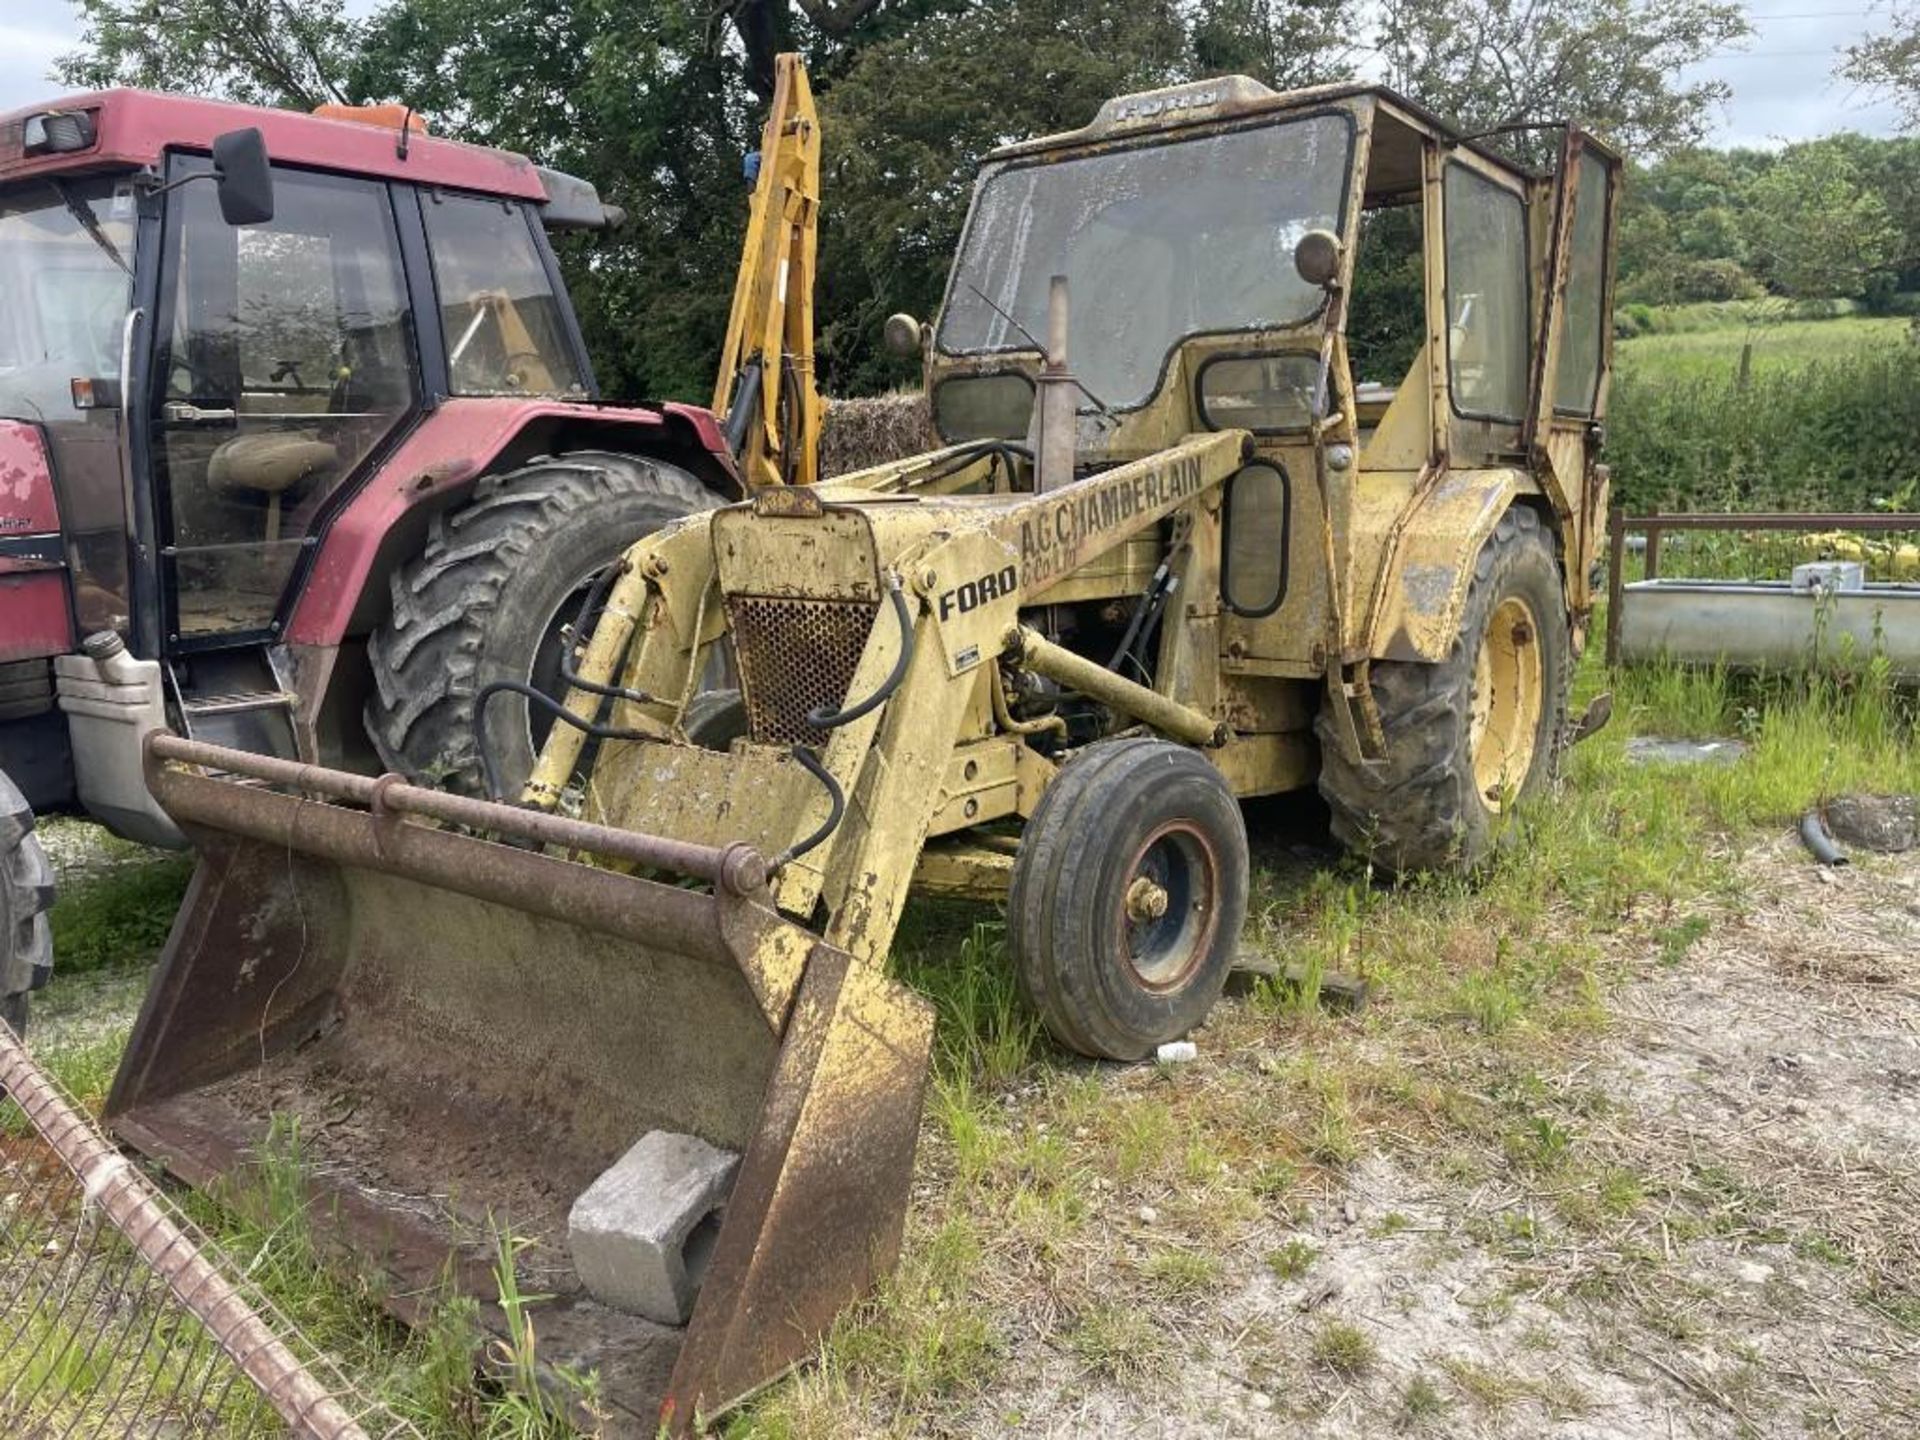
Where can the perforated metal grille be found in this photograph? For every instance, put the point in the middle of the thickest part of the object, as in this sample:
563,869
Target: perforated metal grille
796,656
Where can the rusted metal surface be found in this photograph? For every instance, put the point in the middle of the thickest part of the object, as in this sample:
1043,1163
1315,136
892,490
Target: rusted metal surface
467,1033
740,870
815,1217
1655,525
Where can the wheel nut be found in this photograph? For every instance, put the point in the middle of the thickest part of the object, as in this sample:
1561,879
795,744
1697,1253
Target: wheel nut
1146,900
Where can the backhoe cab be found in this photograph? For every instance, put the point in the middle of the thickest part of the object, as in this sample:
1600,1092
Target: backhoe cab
1176,553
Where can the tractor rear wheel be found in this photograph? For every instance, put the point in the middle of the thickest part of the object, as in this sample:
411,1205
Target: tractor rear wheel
491,598
1469,736
1129,891
26,895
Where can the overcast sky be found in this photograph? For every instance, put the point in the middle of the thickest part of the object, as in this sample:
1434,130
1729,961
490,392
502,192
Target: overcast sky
1783,82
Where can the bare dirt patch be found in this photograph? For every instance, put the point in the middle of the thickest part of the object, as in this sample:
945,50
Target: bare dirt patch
1698,1217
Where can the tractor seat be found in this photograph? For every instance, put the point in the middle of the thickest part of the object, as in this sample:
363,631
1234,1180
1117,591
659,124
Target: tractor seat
270,464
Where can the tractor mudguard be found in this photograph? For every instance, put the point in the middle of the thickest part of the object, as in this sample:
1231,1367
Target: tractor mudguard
468,1034
1430,566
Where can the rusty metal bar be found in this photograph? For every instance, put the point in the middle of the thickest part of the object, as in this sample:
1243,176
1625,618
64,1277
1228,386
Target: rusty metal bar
115,1184
1769,520
1034,651
739,869
685,920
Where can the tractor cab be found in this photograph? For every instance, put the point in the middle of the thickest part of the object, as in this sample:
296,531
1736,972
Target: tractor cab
271,355
1377,298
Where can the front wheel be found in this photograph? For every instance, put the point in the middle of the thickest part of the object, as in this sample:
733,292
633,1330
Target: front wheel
26,895
1473,734
1129,891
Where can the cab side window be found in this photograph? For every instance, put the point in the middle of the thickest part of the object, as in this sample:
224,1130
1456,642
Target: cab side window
502,320
1487,317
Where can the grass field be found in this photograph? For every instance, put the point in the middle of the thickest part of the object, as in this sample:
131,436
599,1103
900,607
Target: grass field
1715,353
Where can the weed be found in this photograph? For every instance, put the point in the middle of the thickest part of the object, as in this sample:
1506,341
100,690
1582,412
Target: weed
1290,1261
1421,1401
1344,1349
1676,940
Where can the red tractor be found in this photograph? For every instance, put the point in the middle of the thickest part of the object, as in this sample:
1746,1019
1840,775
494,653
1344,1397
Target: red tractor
300,449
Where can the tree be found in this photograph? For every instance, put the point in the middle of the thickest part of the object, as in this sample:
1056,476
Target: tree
262,52
1813,229
1613,66
1891,62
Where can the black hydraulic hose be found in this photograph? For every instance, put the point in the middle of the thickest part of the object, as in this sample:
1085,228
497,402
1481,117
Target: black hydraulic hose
746,405
595,598
824,719
1819,840
837,809
546,702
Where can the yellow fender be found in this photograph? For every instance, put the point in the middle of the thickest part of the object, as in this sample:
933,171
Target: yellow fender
1429,556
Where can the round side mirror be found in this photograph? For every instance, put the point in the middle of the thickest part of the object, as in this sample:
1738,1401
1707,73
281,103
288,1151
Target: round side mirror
903,336
1317,257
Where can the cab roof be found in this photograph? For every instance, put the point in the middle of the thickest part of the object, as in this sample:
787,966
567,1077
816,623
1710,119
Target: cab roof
137,127
1233,97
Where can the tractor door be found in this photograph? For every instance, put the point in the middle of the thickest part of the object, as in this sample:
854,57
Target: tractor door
284,362
1574,351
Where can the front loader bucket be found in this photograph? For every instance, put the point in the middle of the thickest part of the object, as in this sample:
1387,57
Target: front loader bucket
469,1033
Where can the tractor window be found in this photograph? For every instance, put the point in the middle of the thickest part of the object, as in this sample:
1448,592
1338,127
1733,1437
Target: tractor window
287,359
1486,296
1581,315
1159,241
502,321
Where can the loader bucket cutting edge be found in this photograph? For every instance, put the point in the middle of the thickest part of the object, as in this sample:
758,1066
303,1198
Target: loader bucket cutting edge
468,1034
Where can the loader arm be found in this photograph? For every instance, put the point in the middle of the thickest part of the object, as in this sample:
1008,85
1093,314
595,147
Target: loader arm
765,387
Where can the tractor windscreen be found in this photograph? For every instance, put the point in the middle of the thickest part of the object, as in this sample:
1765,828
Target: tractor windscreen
1159,242
66,256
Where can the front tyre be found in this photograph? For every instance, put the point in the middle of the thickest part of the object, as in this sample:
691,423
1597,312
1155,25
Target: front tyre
1129,892
1472,735
490,598
26,895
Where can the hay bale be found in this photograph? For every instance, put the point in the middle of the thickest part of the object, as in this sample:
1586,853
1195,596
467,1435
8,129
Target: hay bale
874,430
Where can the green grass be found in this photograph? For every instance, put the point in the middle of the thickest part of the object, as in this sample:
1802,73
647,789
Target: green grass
119,913
1828,418
1776,346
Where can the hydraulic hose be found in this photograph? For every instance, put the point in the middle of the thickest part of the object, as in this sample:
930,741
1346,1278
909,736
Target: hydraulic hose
546,702
836,811
596,597
824,719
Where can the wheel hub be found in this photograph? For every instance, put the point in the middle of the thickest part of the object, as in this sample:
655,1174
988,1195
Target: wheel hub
1146,900
1170,907
1509,690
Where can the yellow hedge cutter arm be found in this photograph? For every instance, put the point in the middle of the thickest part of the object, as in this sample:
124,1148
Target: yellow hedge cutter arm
765,387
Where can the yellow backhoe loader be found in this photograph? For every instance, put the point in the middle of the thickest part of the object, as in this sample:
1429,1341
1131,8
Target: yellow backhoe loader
1175,553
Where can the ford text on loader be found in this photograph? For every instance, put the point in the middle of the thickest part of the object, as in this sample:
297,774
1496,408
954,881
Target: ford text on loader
1176,554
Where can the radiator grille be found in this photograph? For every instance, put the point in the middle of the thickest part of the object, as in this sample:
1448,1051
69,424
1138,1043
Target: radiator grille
796,656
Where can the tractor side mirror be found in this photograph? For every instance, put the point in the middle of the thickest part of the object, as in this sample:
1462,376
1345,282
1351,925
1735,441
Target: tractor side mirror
244,177
904,336
1317,258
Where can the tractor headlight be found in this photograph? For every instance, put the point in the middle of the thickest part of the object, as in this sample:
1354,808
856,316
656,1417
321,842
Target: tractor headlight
59,132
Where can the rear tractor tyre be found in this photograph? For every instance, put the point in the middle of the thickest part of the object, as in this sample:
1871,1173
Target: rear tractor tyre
1471,735
26,895
1129,891
491,598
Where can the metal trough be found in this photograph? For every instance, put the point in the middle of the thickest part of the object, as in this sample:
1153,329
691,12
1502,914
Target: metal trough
1827,612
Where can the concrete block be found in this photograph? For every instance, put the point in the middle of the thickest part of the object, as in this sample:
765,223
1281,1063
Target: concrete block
641,1234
